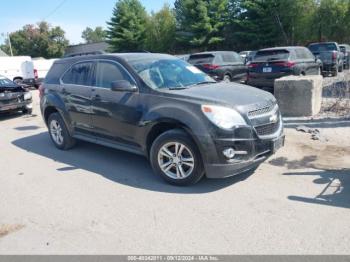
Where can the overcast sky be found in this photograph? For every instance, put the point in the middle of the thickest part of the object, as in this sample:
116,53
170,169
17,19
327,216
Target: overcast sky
72,15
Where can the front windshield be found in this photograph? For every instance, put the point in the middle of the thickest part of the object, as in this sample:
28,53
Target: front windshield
169,73
5,82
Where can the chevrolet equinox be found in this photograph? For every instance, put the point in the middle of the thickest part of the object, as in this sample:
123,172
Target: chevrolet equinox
159,106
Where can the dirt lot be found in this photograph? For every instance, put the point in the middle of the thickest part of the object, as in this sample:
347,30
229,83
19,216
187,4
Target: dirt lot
97,200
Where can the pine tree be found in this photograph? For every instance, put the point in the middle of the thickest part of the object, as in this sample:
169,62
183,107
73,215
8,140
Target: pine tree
127,27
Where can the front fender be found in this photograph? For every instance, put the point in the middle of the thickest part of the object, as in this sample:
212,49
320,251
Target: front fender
188,117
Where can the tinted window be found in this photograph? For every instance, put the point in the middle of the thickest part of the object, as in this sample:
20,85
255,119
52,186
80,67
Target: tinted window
322,47
270,55
201,59
227,58
108,72
55,72
79,74
300,53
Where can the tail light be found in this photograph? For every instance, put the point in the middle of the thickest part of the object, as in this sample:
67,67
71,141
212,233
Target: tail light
253,65
36,76
334,55
211,66
288,64
41,91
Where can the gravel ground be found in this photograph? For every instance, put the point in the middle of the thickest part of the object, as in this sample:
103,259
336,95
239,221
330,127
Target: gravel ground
96,200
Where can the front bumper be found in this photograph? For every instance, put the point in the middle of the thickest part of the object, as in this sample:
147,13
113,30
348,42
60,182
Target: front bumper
257,152
27,104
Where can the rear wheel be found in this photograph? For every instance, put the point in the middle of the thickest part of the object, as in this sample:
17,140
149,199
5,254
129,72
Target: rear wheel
27,111
176,158
341,68
227,78
335,72
59,133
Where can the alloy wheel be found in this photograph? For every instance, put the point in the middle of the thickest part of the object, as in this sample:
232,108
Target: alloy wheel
176,160
56,132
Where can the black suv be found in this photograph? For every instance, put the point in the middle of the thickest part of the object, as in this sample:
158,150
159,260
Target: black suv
161,107
272,63
221,65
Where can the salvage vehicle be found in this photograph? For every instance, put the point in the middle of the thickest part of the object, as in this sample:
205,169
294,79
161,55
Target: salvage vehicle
272,63
221,65
345,48
331,56
156,105
14,97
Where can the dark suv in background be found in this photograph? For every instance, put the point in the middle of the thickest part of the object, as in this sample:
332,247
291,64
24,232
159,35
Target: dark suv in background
161,107
272,63
331,56
221,65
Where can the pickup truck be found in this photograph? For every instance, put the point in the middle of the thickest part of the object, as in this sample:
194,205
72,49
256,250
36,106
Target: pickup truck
330,55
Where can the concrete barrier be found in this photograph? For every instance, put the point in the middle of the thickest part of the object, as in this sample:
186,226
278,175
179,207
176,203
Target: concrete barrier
299,95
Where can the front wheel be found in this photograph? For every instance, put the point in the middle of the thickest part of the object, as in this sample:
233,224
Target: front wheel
176,158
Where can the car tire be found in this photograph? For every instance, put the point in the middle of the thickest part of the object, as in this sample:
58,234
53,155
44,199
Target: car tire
168,162
27,111
227,78
341,68
335,72
17,81
59,133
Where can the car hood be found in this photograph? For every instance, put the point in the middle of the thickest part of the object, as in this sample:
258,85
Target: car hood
228,94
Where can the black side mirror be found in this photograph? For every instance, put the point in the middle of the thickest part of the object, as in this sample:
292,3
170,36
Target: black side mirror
123,86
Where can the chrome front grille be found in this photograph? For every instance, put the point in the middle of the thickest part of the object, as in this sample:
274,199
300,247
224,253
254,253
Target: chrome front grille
261,111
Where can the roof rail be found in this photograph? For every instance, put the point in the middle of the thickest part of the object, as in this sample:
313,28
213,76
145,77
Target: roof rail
85,53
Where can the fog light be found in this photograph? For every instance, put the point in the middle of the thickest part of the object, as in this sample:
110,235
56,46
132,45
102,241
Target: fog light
229,153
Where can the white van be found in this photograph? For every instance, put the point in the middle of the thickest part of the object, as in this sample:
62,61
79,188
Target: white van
42,67
20,69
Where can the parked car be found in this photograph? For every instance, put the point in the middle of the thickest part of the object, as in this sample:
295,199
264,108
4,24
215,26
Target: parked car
345,48
221,65
183,57
19,69
14,97
161,107
272,63
42,67
330,55
247,56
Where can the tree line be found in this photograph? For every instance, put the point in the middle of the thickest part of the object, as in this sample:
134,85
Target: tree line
200,25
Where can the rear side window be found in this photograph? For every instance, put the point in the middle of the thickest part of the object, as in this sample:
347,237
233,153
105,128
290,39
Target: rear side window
55,72
228,58
108,72
271,55
80,74
201,59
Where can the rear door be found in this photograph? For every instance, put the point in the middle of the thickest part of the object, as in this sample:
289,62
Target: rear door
76,90
114,114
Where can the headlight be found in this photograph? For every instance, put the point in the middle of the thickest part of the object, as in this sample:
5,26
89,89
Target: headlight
223,117
27,96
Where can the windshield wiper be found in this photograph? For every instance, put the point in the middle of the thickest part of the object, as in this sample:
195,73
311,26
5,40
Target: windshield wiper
202,83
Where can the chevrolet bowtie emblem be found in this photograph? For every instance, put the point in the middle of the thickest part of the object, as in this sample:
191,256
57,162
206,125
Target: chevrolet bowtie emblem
274,119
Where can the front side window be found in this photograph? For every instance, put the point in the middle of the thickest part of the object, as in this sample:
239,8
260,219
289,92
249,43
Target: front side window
109,72
79,74
169,73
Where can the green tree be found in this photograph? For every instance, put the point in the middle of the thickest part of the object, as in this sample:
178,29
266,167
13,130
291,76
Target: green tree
41,40
127,27
161,31
94,35
200,23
